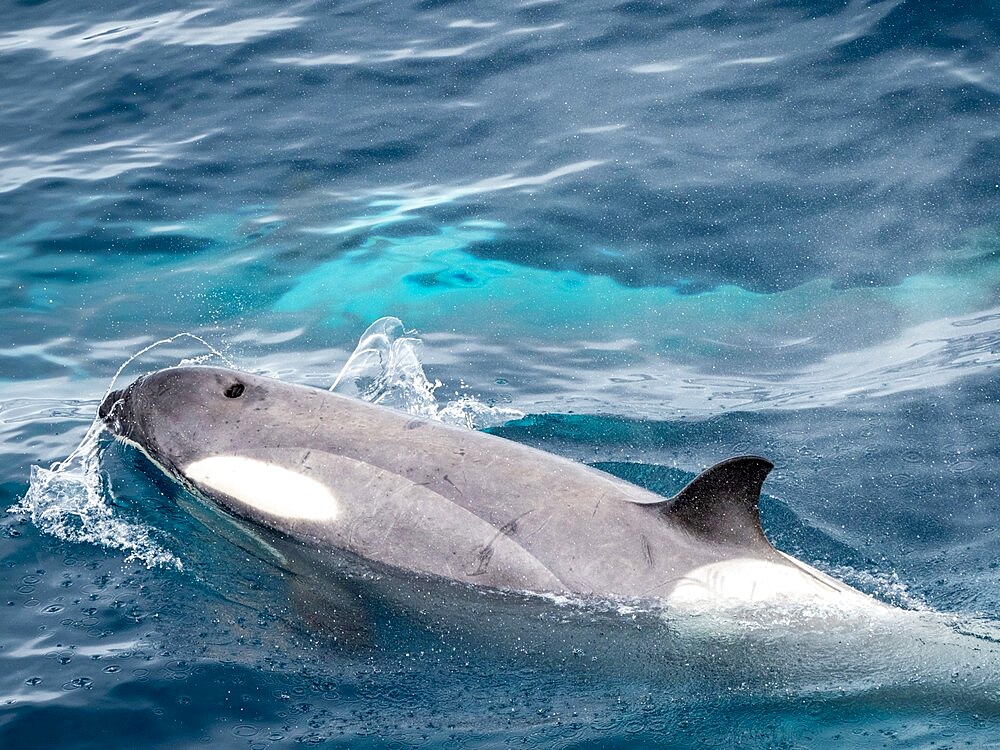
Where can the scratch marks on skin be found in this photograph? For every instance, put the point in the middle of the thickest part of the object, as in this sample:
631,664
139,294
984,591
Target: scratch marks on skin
319,422
457,488
434,484
460,452
647,550
510,528
658,587
601,497
391,525
484,555
541,526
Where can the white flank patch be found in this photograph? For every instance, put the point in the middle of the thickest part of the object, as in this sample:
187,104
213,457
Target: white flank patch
266,487
753,581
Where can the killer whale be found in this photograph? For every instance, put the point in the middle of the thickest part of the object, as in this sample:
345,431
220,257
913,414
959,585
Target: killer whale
421,496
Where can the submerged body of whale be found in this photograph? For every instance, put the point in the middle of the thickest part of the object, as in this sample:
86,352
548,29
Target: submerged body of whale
418,495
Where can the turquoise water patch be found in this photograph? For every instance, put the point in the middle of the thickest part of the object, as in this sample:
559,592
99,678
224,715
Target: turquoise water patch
435,282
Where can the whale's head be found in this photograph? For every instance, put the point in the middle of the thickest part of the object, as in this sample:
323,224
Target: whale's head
220,432
180,415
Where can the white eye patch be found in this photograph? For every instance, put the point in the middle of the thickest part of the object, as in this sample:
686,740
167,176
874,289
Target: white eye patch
267,487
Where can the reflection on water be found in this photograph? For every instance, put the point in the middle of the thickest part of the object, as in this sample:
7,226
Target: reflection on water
76,41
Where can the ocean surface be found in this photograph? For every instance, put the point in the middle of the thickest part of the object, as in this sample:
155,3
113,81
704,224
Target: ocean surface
644,235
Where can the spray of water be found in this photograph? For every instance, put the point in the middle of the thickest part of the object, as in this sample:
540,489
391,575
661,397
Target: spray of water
386,369
68,500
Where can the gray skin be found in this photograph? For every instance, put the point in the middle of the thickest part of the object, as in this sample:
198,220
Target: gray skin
426,497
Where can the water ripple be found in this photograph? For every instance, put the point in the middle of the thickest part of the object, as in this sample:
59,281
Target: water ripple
75,42
398,205
95,162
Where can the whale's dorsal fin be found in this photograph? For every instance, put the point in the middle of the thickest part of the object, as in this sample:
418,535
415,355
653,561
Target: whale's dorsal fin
720,504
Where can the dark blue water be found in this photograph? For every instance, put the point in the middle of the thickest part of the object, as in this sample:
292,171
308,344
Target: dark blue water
665,232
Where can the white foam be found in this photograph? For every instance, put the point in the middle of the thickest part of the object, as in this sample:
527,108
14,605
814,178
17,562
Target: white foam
68,501
266,487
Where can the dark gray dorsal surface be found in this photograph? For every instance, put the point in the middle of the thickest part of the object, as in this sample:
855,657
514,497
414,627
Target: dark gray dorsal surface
721,503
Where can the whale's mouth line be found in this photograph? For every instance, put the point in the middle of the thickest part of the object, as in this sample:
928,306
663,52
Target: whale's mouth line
112,408
109,402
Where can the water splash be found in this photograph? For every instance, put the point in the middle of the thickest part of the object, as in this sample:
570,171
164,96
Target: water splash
68,500
386,369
